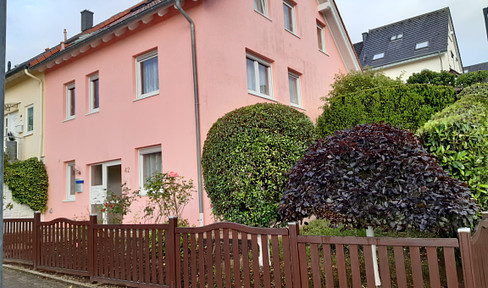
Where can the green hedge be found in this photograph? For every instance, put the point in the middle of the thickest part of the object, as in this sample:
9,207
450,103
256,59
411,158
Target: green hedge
28,182
468,79
431,77
404,106
458,137
246,156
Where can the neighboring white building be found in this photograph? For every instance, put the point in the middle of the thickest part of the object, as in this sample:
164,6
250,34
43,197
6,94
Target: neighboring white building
423,42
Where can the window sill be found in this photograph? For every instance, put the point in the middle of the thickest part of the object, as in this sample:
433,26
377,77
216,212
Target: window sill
322,51
298,107
91,112
148,95
69,119
69,200
28,133
292,33
264,15
262,96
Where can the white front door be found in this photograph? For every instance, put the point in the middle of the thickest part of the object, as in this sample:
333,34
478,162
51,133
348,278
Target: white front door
12,135
105,178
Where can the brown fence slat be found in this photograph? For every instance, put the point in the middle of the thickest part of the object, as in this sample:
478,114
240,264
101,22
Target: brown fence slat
451,272
355,270
201,266
400,266
384,267
329,276
255,260
418,281
218,259
275,249
194,263
245,261
341,265
265,253
236,259
314,253
287,261
433,267
227,262
303,264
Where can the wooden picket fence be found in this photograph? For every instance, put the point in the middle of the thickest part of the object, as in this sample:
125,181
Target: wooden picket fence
234,255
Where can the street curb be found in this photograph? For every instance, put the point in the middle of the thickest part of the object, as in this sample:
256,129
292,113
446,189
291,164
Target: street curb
53,277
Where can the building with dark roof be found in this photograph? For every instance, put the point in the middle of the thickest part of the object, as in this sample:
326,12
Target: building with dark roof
476,67
423,42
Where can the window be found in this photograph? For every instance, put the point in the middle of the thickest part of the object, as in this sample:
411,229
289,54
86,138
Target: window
94,93
29,122
321,37
96,175
422,45
261,6
294,86
70,101
147,74
396,37
70,180
258,76
289,16
378,56
150,162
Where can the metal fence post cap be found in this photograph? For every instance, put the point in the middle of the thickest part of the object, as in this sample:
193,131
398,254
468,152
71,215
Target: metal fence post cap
464,229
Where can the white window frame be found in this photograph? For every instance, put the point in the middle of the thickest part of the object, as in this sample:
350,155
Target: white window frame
93,93
70,178
293,23
264,4
142,152
70,88
379,56
139,61
296,78
321,38
256,60
421,45
27,130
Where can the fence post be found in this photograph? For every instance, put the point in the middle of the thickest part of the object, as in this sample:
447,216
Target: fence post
466,256
91,246
170,243
293,231
36,239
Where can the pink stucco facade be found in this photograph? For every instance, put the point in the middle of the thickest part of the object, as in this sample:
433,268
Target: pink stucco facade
226,31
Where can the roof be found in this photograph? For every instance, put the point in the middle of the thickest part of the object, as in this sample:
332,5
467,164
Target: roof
109,26
476,67
411,38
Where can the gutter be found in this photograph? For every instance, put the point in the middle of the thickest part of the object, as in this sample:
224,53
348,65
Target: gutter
197,109
41,129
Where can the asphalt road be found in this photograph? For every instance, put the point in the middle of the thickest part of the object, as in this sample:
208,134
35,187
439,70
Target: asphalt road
17,279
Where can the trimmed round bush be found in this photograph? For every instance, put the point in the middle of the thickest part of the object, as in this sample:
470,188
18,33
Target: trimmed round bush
403,106
458,137
431,77
471,78
246,156
376,175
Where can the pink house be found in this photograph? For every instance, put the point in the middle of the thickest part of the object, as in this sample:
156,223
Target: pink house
120,99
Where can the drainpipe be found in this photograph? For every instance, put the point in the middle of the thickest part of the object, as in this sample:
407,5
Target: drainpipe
41,134
197,108
440,59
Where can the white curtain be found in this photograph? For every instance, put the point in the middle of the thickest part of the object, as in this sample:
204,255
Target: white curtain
152,164
251,75
292,82
150,75
263,79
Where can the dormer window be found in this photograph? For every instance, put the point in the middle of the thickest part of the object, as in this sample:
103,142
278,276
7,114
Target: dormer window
422,45
378,56
396,37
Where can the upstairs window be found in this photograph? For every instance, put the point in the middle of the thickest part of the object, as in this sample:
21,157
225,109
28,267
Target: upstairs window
294,87
70,101
29,112
147,74
261,6
422,45
94,93
378,56
289,16
258,76
321,37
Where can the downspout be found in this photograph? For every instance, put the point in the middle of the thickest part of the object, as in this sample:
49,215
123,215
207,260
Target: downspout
41,129
440,59
197,108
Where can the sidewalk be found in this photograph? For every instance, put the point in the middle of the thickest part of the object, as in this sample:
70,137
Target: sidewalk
19,277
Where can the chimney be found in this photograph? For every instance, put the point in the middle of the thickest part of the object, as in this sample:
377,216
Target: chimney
365,35
86,20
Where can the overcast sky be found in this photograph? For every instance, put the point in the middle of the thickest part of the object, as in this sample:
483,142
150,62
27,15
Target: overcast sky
33,25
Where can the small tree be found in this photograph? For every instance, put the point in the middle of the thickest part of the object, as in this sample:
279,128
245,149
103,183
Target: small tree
167,195
245,159
376,175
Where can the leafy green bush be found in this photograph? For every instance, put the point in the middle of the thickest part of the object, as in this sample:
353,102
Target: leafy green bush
376,175
468,79
356,81
458,138
28,182
404,106
426,76
245,159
